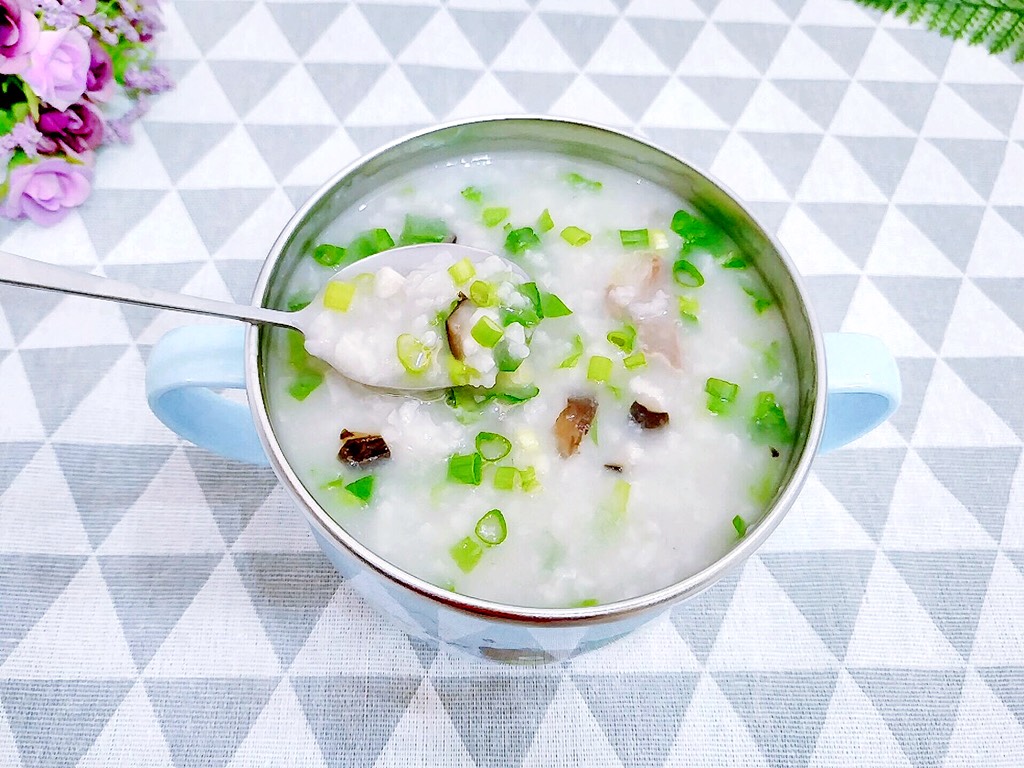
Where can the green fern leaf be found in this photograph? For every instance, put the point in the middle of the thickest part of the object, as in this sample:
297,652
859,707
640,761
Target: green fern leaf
996,24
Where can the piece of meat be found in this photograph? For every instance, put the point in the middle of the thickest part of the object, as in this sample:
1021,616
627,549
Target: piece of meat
635,295
359,448
646,418
573,424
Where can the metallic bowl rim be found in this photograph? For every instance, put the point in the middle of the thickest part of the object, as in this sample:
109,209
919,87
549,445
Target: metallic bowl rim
608,612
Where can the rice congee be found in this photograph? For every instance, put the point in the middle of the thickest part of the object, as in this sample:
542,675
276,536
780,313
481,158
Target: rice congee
622,414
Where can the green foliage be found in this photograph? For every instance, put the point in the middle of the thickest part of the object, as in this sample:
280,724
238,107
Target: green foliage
996,24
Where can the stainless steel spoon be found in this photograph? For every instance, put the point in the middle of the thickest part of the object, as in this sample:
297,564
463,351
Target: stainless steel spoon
29,273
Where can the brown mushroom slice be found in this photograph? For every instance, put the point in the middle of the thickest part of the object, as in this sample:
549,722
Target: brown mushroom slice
614,467
646,418
573,424
359,448
457,326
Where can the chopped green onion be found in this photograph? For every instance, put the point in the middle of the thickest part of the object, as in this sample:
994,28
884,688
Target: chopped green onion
582,182
761,302
762,491
740,525
420,229
587,602
532,292
467,554
528,479
619,501
635,238
328,255
688,308
461,271
505,478
525,316
297,354
575,354
494,216
413,354
636,360
519,241
552,306
545,222
721,395
575,236
736,262
338,295
514,393
686,274
299,301
486,332
491,528
770,357
599,369
624,338
362,488
459,373
370,242
465,468
697,233
504,358
686,225
473,194
305,382
483,294
492,447
769,421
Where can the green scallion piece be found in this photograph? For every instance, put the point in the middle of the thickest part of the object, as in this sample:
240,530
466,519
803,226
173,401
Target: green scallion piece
575,354
635,238
688,308
473,194
338,295
582,182
735,262
761,301
544,222
599,368
486,332
459,373
298,357
525,316
494,216
362,488
299,301
636,360
505,478
504,358
461,271
552,306
686,274
587,602
619,500
721,395
483,294
492,447
528,479
467,554
466,468
768,424
413,354
532,292
421,229
740,525
624,338
305,383
770,358
328,255
491,528
521,240
697,233
575,236
370,242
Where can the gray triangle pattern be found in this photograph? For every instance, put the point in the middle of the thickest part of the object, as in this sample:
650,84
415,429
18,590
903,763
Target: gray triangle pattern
863,482
13,458
996,103
180,146
883,159
579,34
345,85
303,23
166,277
831,297
397,25
757,42
440,88
910,102
768,215
285,146
28,586
925,302
915,374
233,490
978,161
1014,215
670,39
536,91
952,228
930,49
209,20
846,45
695,146
489,32
1006,292
217,214
851,226
24,309
789,155
698,619
368,137
727,96
819,99
104,215
1008,684
633,94
246,82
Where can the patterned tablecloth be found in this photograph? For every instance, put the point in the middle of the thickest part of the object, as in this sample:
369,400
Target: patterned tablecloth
160,607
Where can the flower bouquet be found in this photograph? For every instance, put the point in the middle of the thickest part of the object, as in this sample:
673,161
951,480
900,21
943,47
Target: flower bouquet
74,75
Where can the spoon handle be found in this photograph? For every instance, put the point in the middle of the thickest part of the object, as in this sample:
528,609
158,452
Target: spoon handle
17,270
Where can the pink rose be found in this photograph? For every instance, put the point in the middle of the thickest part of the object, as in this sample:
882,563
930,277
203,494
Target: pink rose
19,32
59,67
47,190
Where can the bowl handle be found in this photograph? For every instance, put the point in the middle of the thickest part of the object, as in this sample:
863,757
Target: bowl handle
863,387
183,372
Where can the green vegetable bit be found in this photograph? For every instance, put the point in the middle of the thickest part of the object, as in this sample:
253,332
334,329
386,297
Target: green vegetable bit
466,468
370,242
483,294
582,182
521,240
763,490
636,360
552,306
492,447
735,262
528,479
504,358
413,354
505,478
697,233
599,369
768,424
544,222
761,301
494,216
466,554
721,395
576,353
486,332
305,383
623,338
619,501
635,238
362,488
460,373
328,255
587,602
688,308
473,194
687,274
532,292
420,229
461,271
740,525
575,236
491,528
338,295
299,301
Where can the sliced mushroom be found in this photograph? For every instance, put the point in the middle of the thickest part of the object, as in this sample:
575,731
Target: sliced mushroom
573,423
614,467
646,418
457,326
358,448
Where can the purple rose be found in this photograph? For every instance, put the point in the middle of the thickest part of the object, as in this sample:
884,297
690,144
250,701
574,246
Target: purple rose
59,67
19,33
47,190
99,83
77,129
